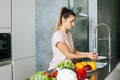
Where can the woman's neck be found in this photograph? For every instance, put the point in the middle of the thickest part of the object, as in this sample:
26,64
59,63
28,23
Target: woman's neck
64,30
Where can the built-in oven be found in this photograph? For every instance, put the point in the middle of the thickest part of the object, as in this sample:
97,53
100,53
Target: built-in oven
5,46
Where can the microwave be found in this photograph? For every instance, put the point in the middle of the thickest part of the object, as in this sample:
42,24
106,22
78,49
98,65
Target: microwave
5,46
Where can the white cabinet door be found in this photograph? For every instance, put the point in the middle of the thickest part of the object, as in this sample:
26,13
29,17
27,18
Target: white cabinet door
23,69
5,72
5,13
23,28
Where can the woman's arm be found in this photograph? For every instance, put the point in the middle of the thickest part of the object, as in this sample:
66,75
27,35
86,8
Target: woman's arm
64,49
91,55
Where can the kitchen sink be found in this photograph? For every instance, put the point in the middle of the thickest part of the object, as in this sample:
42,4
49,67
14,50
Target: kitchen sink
101,64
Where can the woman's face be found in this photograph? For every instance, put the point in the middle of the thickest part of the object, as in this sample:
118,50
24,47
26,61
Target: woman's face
69,22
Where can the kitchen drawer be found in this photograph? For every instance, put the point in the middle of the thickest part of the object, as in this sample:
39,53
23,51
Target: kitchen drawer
6,72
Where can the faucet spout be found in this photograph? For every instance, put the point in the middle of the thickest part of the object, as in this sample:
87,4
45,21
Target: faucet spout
108,38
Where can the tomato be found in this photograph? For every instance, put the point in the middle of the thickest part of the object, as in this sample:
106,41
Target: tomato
54,74
46,73
87,67
81,74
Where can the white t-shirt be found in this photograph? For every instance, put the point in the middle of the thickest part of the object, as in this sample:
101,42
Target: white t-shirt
58,56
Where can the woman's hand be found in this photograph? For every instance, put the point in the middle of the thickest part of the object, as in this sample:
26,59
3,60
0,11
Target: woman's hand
93,55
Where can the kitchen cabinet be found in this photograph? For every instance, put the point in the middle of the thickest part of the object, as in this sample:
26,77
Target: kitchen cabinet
6,72
108,14
5,14
23,28
23,39
23,69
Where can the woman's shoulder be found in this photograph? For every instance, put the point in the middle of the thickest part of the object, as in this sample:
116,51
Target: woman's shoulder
59,32
58,35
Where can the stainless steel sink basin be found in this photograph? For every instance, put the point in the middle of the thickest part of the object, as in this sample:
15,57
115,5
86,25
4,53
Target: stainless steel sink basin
101,64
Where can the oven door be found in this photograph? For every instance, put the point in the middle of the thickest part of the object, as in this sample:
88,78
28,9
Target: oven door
5,46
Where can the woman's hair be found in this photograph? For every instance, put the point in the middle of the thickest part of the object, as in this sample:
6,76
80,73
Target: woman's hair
65,13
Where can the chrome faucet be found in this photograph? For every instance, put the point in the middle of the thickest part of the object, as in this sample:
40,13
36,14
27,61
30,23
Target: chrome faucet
108,38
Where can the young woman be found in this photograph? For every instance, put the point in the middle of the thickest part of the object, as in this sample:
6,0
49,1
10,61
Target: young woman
62,43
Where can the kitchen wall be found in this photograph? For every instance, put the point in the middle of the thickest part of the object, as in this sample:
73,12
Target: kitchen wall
46,19
108,13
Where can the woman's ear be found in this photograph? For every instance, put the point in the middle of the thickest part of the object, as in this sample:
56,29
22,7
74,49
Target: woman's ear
63,20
